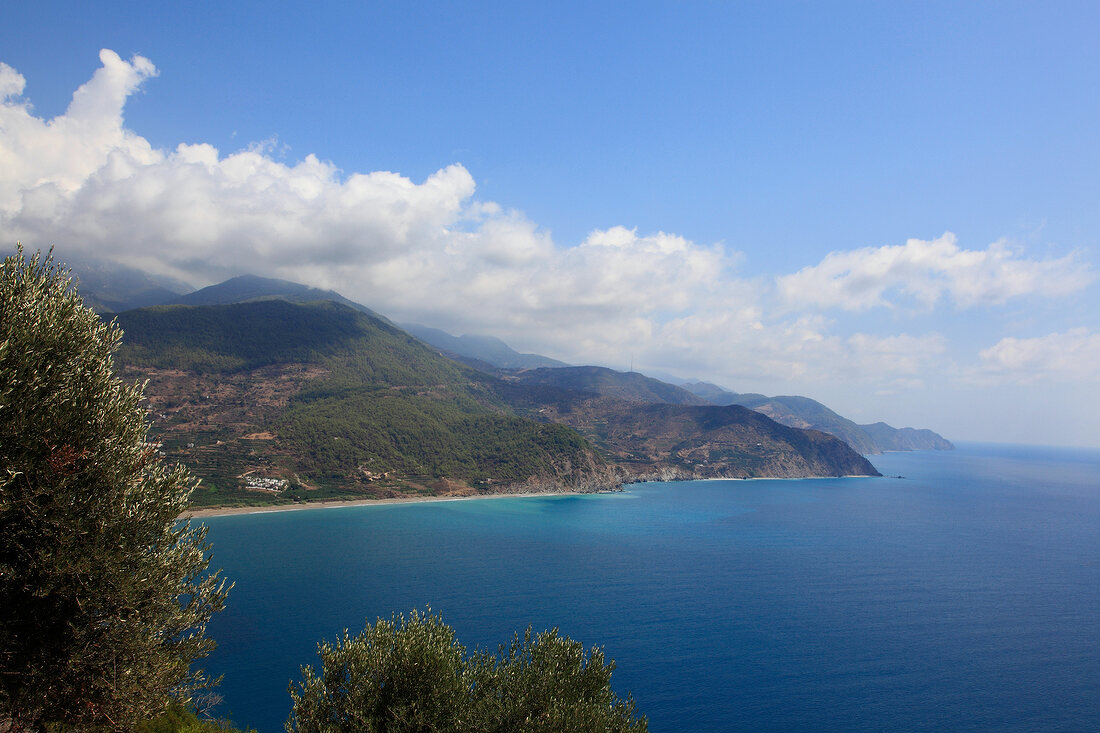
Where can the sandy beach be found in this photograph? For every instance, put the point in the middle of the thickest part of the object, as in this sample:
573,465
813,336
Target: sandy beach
198,513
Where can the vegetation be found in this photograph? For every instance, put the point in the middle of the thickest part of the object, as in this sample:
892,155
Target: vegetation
413,675
409,434
338,403
353,406
227,338
105,596
180,719
625,386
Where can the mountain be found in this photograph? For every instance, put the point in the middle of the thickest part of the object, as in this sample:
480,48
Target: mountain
889,438
275,400
111,288
662,440
115,288
627,386
486,349
269,400
712,393
803,412
245,288
689,441
107,287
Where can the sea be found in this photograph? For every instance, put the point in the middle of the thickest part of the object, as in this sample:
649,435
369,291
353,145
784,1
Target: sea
961,591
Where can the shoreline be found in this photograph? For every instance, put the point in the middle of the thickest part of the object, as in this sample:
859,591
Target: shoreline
224,511
794,478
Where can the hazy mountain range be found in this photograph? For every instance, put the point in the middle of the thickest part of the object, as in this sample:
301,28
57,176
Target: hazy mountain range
485,350
803,412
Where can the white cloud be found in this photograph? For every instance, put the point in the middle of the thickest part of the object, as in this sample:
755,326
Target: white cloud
11,82
1072,355
925,272
899,354
45,162
424,250
431,252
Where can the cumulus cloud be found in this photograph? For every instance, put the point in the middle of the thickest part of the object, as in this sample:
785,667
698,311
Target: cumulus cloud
927,271
430,251
415,250
11,82
45,162
1070,355
86,183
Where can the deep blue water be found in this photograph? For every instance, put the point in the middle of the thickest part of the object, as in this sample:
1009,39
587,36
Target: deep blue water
965,596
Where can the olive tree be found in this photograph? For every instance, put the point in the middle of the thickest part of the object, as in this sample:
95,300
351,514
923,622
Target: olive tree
547,683
397,675
105,594
404,675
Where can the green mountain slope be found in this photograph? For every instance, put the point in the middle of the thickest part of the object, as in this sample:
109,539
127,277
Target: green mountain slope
334,402
273,401
244,288
626,386
659,440
730,442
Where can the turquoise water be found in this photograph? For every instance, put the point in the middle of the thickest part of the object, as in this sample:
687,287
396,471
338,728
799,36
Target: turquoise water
964,596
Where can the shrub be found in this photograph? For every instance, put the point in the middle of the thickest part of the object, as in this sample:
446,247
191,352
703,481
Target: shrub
403,675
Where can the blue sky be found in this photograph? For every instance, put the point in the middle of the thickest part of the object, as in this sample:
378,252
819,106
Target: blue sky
891,207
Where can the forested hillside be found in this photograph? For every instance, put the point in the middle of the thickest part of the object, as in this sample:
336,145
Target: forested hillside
272,400
649,438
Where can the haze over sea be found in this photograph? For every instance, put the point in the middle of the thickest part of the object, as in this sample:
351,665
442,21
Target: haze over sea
961,597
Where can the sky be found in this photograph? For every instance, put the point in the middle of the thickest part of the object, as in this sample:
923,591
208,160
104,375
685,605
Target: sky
893,208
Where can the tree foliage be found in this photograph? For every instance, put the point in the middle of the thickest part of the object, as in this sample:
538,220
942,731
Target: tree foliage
105,596
178,718
403,675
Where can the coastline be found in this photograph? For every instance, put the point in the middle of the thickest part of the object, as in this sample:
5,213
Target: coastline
791,478
201,512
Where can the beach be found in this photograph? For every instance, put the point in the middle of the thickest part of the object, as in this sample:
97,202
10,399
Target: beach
200,512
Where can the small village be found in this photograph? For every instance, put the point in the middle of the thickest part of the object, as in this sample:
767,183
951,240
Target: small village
259,483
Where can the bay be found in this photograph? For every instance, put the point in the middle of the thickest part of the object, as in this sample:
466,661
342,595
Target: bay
962,596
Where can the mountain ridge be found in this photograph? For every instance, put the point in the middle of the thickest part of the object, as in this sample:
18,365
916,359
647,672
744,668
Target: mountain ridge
318,400
245,288
333,402
614,399
487,349
805,412
489,354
